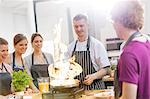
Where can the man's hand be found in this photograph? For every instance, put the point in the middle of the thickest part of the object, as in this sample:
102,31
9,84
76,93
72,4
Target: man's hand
89,79
97,75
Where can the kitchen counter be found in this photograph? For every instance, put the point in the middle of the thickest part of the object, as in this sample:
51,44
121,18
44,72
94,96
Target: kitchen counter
98,94
109,81
88,94
108,78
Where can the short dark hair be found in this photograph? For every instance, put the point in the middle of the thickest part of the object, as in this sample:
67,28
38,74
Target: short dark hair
35,35
3,41
79,17
18,38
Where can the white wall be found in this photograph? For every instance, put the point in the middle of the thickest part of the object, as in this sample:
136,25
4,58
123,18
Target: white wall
15,20
146,28
11,23
52,18
49,14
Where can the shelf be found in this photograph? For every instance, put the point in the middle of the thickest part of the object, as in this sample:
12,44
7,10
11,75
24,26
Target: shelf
114,53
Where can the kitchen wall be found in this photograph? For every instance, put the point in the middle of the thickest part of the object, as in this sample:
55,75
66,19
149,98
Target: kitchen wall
11,23
146,28
56,17
49,14
16,17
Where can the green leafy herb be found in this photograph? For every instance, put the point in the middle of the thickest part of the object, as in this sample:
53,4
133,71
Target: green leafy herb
113,67
20,80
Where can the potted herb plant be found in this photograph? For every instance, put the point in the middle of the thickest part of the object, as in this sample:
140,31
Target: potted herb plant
20,80
112,70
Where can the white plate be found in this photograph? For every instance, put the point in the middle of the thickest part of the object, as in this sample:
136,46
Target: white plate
103,94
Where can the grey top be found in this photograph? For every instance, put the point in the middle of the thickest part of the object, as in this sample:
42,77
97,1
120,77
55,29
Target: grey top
18,65
28,60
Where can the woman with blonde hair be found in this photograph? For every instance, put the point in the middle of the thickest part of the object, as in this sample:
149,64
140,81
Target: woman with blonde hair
5,69
133,70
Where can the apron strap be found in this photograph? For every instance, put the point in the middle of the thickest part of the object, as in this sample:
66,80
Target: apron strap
45,58
32,59
74,48
88,45
14,61
134,35
4,67
117,88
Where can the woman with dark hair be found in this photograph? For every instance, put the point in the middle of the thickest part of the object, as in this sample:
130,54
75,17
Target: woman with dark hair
134,63
38,61
5,69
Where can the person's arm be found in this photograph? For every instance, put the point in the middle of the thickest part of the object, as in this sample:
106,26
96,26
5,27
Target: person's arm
49,57
129,75
31,84
33,87
99,74
101,60
129,91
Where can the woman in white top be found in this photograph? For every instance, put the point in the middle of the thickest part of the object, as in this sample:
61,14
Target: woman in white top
5,69
38,61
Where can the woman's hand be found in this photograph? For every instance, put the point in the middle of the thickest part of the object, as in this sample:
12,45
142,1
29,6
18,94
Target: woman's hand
35,90
33,87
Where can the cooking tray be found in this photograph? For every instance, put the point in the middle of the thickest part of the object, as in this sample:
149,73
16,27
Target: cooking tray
66,86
